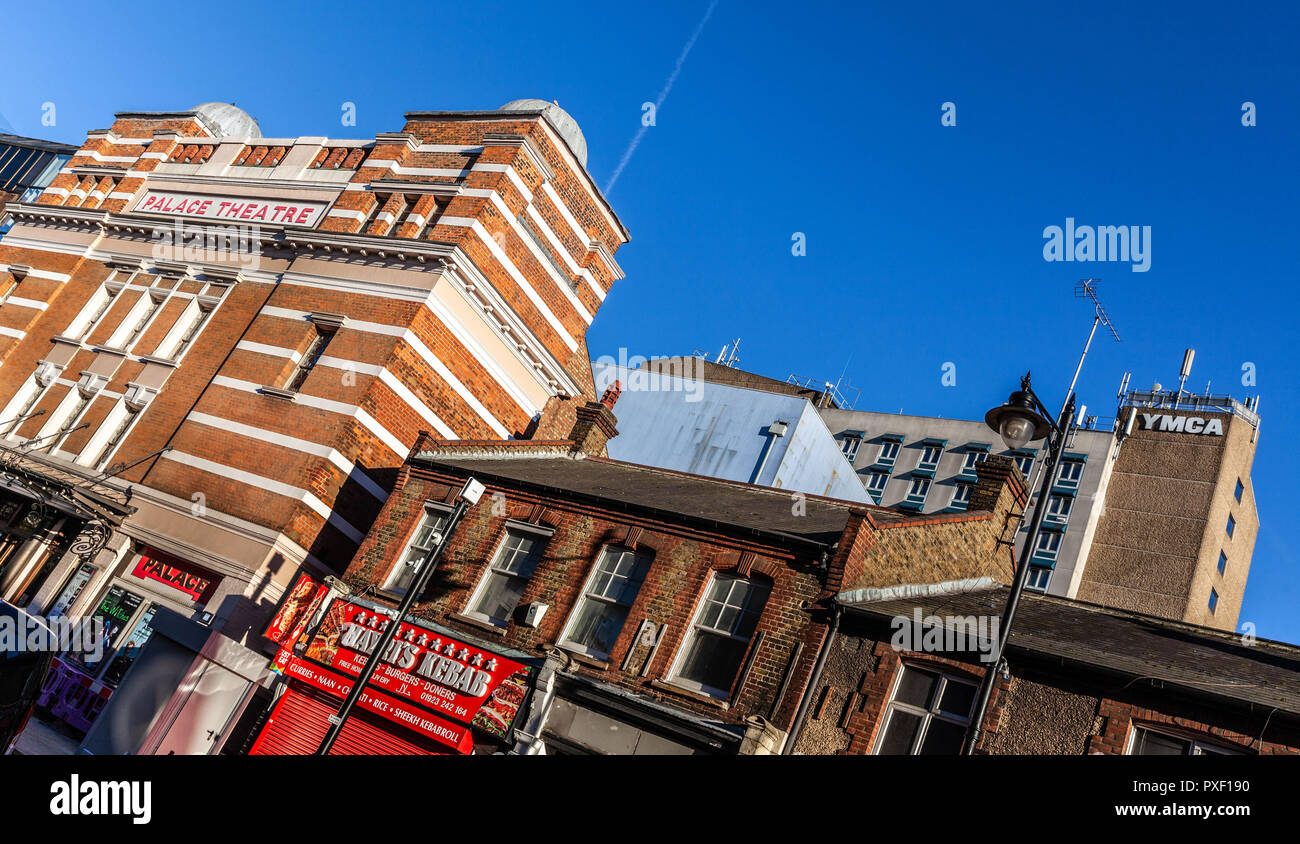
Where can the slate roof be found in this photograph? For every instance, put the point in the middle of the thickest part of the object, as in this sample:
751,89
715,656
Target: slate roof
674,494
1199,660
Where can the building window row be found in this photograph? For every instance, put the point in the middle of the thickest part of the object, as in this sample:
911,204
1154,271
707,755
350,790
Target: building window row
67,416
713,648
877,475
154,293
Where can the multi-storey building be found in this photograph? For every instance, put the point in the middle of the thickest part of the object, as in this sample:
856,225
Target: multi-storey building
927,465
1157,516
1179,526
219,347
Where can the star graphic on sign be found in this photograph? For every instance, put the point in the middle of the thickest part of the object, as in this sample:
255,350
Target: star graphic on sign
463,654
450,649
492,664
424,639
436,645
477,660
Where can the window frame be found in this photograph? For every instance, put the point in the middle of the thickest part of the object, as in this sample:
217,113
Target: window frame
1055,553
929,465
104,451
310,357
541,535
1075,477
874,492
28,405
1052,515
68,413
1019,458
972,459
893,447
1195,745
643,559
691,636
1042,571
927,715
391,577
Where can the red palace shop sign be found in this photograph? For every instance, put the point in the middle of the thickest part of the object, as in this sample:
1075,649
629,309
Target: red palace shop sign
426,680
174,573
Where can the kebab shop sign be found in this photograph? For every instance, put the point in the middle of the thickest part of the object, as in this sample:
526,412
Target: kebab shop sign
424,667
233,209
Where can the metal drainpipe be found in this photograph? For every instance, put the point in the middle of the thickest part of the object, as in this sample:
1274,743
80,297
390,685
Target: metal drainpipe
812,684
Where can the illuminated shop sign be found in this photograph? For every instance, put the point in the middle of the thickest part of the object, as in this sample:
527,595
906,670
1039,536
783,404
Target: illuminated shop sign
289,623
174,575
424,667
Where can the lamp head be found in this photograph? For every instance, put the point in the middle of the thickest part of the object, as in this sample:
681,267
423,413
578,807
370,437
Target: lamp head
1017,421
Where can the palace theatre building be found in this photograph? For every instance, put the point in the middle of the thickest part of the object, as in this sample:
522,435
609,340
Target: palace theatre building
217,349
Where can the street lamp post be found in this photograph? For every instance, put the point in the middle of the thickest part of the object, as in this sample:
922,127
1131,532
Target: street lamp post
469,495
1021,419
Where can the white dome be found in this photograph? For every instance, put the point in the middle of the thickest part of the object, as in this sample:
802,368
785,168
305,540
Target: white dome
560,119
227,121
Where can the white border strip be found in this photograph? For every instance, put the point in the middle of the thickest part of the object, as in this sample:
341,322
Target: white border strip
316,449
272,486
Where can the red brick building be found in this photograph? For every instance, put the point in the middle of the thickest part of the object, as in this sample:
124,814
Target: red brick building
1079,679
236,339
662,612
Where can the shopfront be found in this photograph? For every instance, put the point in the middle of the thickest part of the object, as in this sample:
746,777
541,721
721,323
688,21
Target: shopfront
82,682
433,692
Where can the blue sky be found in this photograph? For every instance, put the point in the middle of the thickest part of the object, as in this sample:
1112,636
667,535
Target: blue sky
924,242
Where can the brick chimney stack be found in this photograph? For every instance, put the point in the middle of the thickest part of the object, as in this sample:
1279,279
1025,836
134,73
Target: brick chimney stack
595,425
997,474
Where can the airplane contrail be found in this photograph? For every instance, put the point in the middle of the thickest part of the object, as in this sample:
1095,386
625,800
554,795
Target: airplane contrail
663,95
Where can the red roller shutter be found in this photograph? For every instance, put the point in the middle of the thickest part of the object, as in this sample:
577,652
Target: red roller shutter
300,720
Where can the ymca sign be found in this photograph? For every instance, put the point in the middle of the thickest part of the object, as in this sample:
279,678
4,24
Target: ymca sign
1212,427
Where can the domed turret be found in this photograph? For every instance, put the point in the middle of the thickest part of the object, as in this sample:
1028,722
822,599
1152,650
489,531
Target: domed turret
227,121
560,119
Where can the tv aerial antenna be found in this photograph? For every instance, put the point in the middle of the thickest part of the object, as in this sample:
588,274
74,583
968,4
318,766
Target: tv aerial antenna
1086,288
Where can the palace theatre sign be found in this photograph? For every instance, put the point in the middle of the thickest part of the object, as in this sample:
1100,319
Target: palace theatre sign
436,689
232,209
